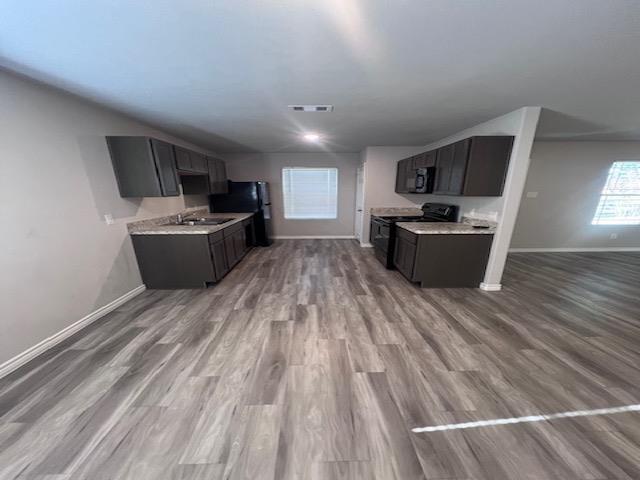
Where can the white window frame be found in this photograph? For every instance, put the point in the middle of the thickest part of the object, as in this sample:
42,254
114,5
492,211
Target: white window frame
289,215
618,193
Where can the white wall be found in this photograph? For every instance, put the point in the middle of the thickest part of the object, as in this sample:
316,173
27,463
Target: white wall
569,177
380,173
59,260
268,167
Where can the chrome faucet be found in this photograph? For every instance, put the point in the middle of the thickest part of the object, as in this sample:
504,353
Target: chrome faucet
179,218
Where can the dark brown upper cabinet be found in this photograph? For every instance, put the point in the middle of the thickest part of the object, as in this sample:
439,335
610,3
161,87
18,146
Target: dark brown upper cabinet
147,167
474,167
221,169
183,159
444,164
189,162
217,176
199,163
401,176
487,166
451,166
144,167
406,176
215,180
425,160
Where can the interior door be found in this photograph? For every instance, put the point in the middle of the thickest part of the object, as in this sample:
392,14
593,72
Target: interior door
359,203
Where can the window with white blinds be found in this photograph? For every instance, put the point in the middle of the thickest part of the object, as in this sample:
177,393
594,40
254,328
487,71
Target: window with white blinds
620,198
310,193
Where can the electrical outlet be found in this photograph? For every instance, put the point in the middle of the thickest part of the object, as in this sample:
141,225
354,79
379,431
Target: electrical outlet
532,194
613,236
108,219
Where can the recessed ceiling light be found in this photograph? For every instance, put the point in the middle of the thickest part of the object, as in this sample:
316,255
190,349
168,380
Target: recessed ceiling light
311,108
311,137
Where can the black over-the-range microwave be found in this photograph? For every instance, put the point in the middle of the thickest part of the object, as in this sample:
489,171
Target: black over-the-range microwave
424,180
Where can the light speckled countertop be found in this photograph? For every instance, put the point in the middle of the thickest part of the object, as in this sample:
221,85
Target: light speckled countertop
447,228
396,212
151,227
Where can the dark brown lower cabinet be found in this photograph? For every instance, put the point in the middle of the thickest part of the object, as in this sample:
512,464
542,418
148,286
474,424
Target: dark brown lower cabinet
219,258
404,256
235,243
174,261
240,242
230,249
190,261
442,261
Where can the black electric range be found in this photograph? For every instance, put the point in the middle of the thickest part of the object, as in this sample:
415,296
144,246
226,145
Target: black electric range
383,228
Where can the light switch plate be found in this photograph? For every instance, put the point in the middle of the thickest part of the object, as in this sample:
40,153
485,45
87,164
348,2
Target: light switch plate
108,219
613,236
532,194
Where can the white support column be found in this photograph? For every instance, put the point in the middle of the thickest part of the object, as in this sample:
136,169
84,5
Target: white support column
514,186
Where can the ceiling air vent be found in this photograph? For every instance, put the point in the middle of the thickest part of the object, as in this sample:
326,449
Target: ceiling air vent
311,108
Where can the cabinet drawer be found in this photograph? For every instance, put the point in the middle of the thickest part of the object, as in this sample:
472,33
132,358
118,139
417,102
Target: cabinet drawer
215,237
406,235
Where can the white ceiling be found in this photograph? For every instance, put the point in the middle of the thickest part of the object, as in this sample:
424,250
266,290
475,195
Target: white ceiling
399,72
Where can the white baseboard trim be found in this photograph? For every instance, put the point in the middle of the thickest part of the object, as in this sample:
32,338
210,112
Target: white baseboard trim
366,245
32,352
596,249
491,287
309,237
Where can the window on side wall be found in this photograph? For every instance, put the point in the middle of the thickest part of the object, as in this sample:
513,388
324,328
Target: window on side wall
310,193
620,198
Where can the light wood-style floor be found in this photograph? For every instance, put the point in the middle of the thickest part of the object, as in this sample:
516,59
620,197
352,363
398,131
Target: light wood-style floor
311,361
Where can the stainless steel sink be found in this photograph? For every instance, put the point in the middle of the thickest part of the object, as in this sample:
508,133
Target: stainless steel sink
203,221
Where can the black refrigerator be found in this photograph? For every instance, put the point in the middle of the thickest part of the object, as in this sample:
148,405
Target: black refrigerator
247,197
